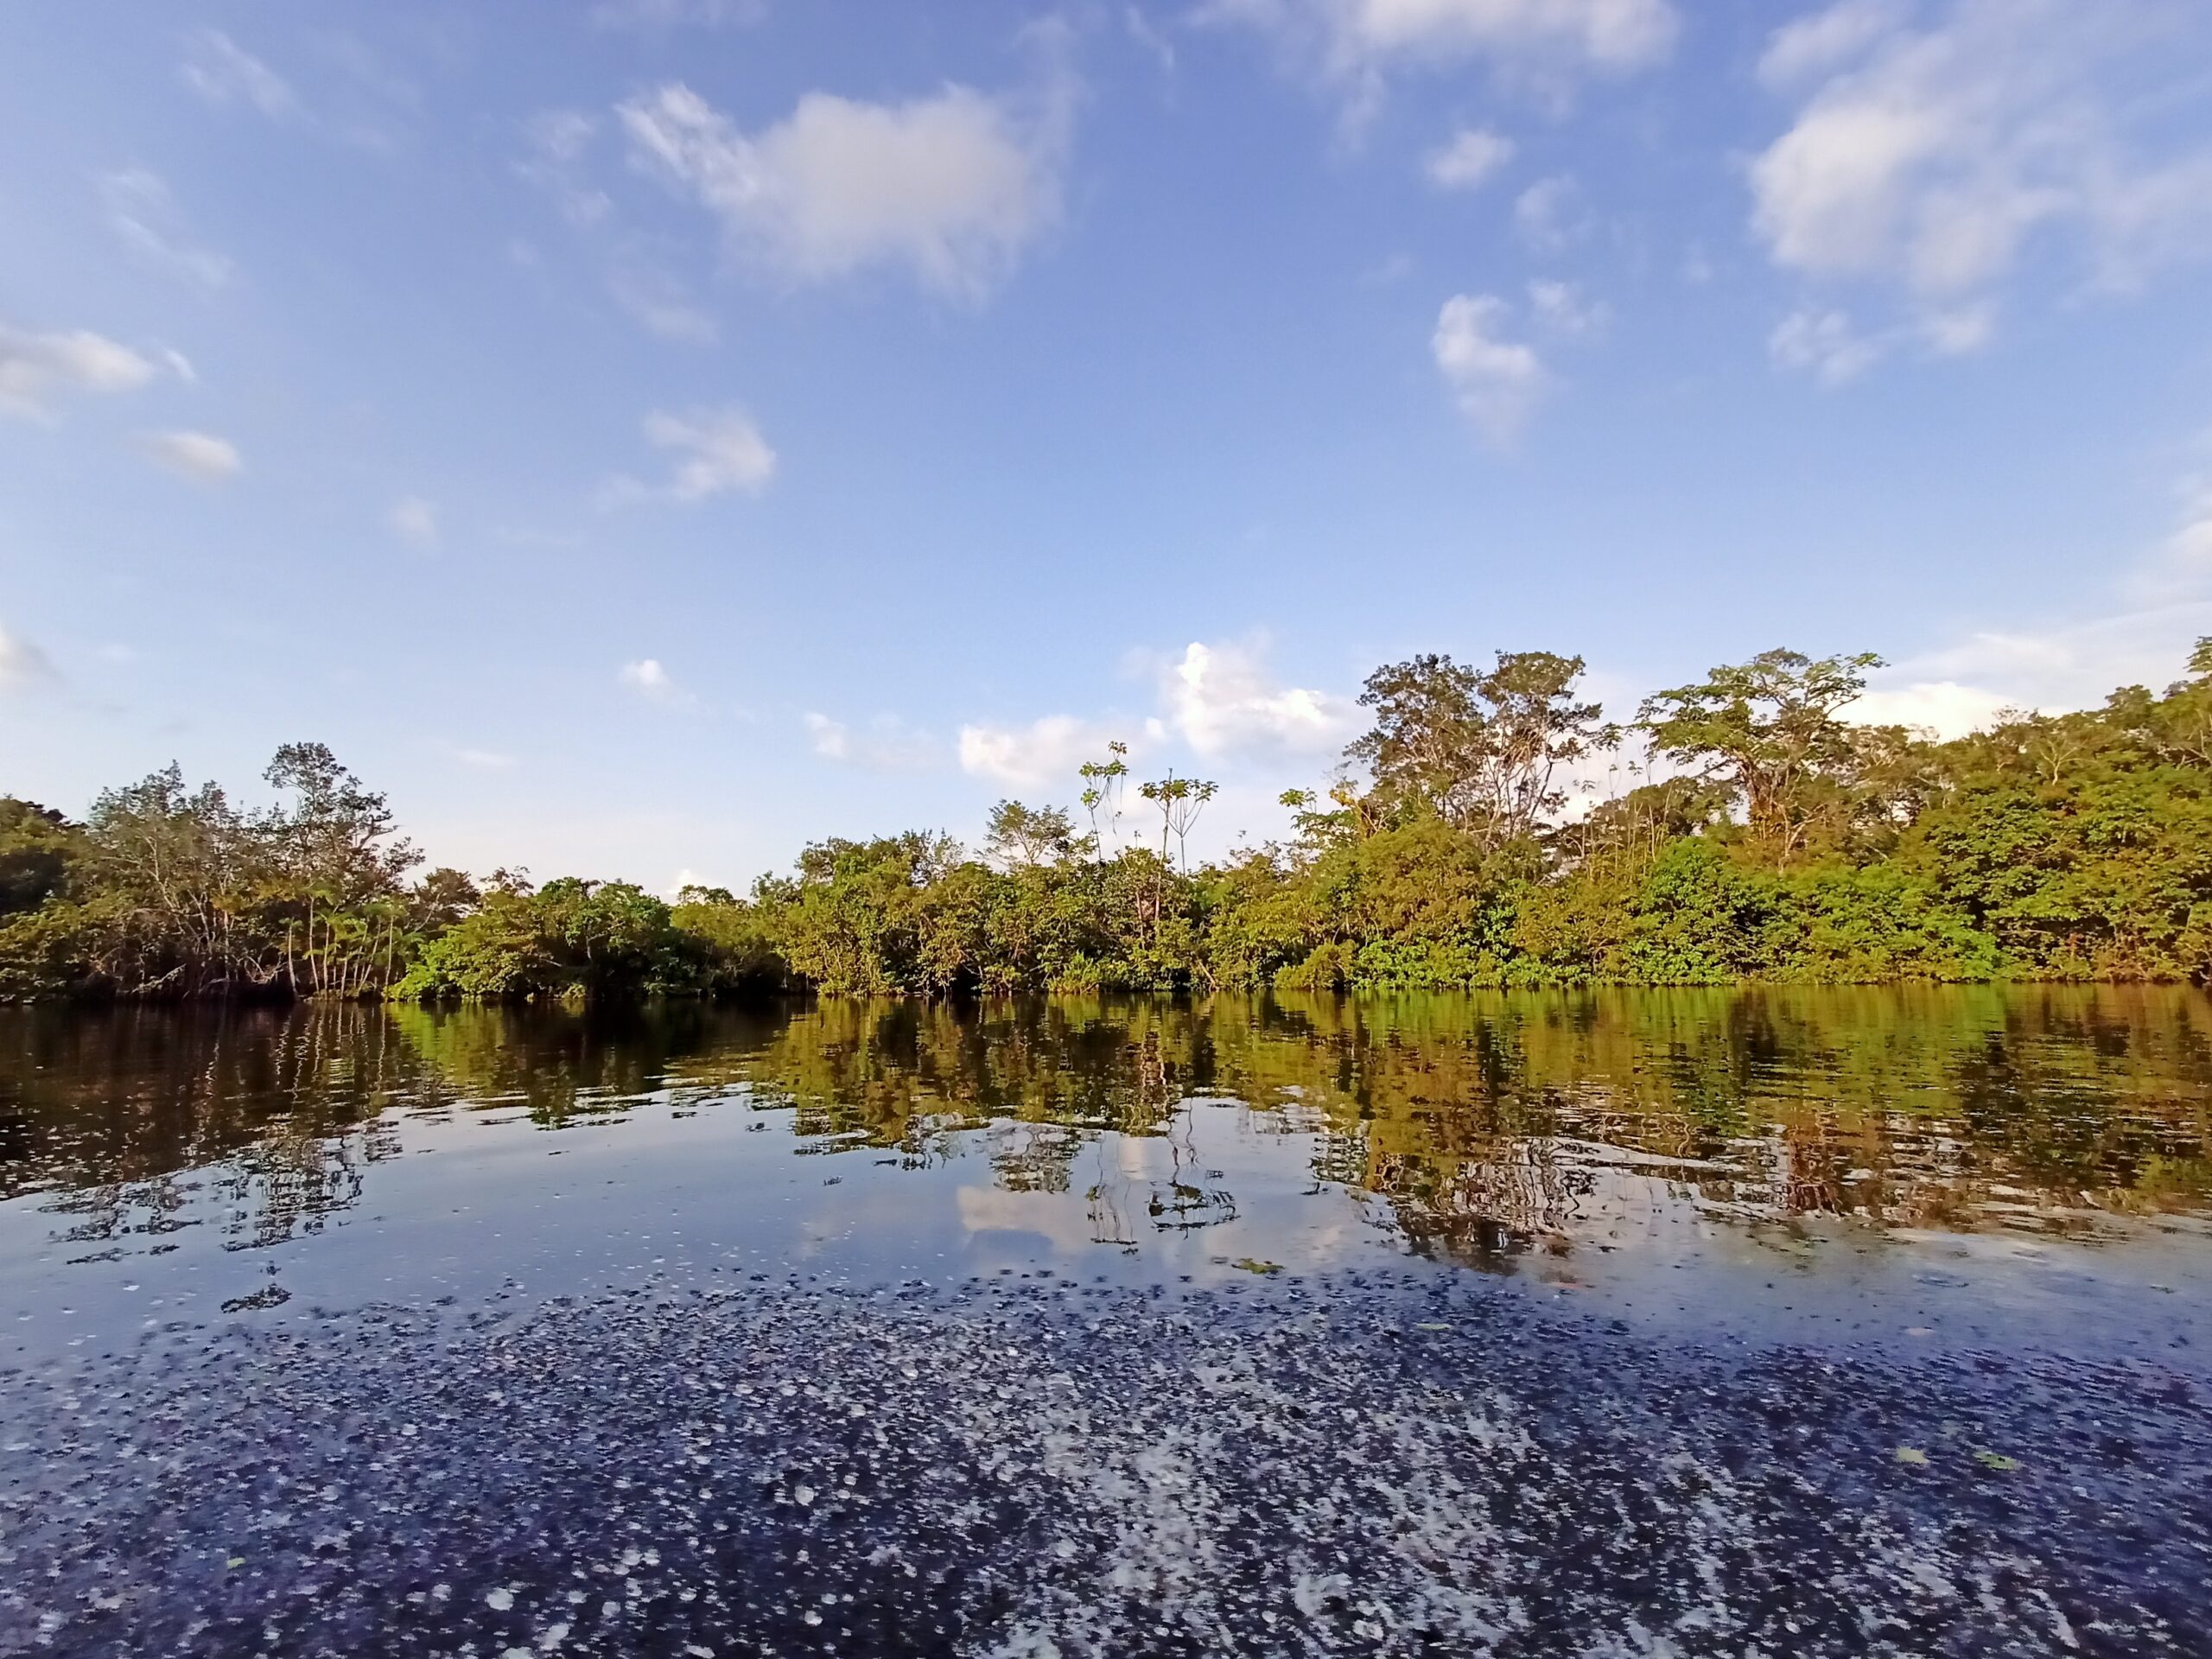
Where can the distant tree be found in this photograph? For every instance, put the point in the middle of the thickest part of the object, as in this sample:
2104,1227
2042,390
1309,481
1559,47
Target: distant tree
38,850
442,900
338,838
1769,730
1480,749
1021,837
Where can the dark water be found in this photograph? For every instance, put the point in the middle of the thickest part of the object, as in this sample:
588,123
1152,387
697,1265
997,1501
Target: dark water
1829,1323
1864,1143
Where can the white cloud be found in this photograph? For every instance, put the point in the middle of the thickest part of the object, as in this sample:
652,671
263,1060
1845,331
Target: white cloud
1825,345
955,187
415,521
1929,157
651,15
484,760
1823,41
1047,750
1561,308
35,367
1356,43
144,215
658,302
23,664
1944,707
558,140
885,744
223,72
200,456
648,679
1141,31
1221,700
1472,157
717,451
1497,382
1549,215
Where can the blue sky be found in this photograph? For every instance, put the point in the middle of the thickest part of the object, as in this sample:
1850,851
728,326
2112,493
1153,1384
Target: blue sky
643,436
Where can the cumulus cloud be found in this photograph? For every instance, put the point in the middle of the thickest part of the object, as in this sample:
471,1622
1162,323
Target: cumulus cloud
144,216
1365,37
649,680
953,187
1823,344
1944,707
1222,700
716,452
23,664
1472,158
1495,381
885,744
1928,156
36,368
224,73
1549,215
200,456
1562,308
415,521
1047,750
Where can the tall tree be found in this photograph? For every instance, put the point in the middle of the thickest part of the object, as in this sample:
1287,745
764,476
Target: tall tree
1480,749
1769,730
1023,838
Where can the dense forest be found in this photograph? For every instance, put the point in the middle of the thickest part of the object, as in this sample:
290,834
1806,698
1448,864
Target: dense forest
1763,837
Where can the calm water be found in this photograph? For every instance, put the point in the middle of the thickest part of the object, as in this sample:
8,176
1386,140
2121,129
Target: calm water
1850,1154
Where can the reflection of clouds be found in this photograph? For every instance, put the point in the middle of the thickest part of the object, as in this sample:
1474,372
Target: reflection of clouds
1047,1215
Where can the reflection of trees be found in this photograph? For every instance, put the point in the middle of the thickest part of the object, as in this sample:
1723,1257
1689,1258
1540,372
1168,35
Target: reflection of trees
1484,1124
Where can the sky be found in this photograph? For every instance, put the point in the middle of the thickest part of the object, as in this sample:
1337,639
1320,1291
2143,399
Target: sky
642,437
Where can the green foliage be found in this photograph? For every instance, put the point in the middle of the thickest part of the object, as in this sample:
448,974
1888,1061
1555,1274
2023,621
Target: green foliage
571,940
1798,847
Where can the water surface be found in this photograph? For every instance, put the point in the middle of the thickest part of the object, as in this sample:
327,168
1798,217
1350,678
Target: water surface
1915,1160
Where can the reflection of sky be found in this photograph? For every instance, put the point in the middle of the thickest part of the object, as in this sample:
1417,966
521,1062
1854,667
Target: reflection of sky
481,1208
157,1176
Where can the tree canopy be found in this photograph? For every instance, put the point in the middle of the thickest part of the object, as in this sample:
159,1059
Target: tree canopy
1762,835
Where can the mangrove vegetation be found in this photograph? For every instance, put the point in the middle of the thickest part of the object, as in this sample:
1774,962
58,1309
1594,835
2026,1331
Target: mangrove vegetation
1742,829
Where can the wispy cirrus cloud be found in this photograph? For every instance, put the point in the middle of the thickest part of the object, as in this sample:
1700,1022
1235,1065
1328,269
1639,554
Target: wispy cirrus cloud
36,369
144,216
886,743
224,73
200,456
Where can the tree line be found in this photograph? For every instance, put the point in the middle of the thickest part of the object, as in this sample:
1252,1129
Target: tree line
1763,837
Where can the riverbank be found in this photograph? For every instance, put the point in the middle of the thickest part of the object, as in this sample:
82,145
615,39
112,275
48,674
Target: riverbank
1371,1463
